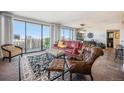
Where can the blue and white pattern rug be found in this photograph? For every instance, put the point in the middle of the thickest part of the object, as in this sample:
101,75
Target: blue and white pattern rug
34,68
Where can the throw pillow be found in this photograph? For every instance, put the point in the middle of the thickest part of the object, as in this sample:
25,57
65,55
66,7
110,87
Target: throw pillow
61,44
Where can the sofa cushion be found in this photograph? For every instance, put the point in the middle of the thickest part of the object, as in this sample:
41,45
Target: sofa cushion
60,43
68,50
67,43
72,45
15,52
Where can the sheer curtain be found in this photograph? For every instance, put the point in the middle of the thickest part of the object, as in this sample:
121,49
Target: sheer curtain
5,29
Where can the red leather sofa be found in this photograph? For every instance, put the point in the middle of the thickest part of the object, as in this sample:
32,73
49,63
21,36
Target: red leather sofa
72,47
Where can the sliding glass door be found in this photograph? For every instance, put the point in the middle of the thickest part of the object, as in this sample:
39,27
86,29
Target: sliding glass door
46,36
33,37
19,34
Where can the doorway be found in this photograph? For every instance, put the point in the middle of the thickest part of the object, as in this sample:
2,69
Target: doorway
113,38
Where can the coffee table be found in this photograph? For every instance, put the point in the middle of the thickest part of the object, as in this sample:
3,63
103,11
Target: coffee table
56,53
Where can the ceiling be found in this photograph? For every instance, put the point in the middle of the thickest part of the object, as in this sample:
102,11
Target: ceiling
74,18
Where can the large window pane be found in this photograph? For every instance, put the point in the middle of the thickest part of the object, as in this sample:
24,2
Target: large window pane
46,36
33,37
61,34
71,34
66,34
30,36
19,33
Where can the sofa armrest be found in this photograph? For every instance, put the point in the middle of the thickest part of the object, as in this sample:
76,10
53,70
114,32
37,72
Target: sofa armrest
19,48
76,58
5,52
5,49
79,67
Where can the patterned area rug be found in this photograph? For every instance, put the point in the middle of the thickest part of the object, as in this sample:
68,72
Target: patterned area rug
34,68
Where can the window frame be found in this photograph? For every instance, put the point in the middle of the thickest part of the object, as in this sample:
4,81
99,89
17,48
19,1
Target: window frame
63,29
41,32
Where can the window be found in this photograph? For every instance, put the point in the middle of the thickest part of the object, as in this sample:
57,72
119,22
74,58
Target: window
31,36
46,36
66,34
19,34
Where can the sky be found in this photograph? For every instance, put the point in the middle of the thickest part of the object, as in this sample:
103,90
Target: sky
33,30
66,33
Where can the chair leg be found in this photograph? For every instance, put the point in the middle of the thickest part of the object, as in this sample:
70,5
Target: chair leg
115,57
62,75
91,77
3,58
9,59
48,74
70,76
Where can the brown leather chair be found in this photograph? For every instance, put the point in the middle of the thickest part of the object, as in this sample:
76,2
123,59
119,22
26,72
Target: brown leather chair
9,51
83,64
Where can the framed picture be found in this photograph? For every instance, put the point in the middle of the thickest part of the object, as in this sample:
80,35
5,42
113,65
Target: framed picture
117,35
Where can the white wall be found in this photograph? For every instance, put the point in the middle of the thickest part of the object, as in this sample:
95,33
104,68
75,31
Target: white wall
0,28
0,34
122,35
99,31
99,34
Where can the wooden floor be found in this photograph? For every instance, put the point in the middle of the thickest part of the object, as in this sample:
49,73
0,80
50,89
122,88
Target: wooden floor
9,71
105,68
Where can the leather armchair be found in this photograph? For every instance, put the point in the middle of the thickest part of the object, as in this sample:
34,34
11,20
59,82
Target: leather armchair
82,64
9,51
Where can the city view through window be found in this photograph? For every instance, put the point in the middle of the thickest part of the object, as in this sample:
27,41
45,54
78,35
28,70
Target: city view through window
66,34
31,36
